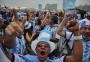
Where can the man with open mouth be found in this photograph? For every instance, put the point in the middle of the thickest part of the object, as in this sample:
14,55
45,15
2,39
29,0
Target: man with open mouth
42,50
42,47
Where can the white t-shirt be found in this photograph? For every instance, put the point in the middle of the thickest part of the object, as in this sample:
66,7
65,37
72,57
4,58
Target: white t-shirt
61,39
3,57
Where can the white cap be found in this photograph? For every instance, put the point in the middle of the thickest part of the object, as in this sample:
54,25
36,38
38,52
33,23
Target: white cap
44,38
84,23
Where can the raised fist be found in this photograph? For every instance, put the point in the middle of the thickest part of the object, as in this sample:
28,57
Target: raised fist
14,29
72,26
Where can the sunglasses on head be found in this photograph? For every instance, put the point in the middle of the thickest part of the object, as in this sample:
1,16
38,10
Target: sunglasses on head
43,45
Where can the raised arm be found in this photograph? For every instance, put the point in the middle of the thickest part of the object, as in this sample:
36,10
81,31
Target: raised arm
77,50
67,17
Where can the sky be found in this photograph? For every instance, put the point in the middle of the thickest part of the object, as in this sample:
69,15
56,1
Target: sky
30,3
82,2
34,3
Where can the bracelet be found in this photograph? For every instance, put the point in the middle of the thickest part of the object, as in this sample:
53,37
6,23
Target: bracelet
78,37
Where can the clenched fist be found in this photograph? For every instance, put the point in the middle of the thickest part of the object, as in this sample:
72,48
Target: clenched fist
72,26
14,29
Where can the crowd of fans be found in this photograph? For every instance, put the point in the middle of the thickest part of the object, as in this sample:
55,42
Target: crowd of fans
44,36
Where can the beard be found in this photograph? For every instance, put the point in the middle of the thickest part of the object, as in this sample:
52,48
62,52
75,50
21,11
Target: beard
87,37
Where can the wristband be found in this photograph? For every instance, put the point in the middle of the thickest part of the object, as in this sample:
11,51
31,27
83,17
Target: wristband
78,37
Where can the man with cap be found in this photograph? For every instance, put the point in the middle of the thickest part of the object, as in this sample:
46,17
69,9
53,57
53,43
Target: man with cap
42,47
85,31
84,26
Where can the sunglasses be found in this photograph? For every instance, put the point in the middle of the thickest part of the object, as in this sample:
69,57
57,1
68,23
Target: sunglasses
43,45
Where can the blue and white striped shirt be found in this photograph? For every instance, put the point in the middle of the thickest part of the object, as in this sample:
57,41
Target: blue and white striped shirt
20,45
86,51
